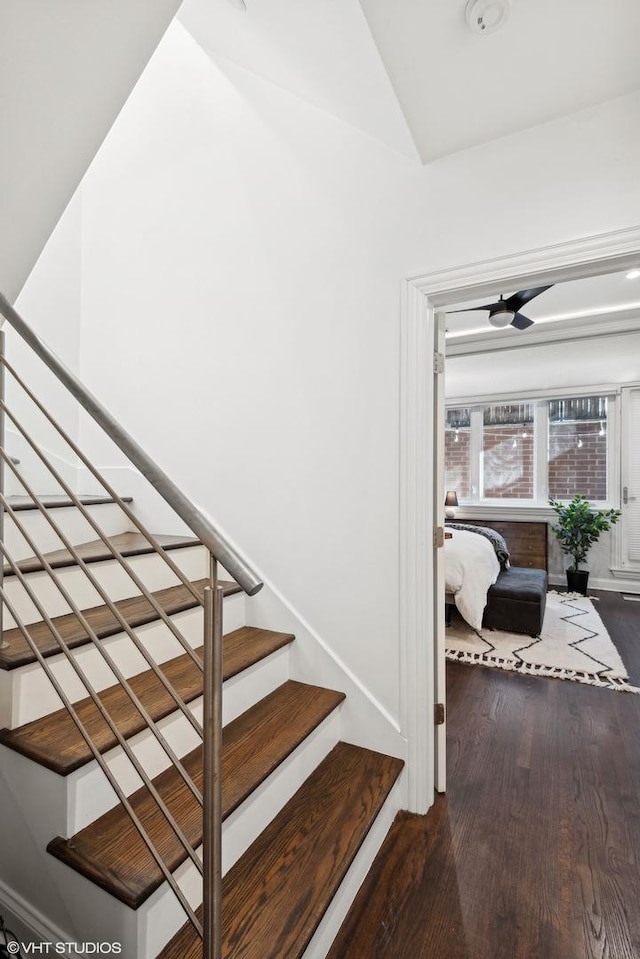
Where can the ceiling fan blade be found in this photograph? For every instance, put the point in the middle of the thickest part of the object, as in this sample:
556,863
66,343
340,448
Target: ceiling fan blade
521,322
471,309
518,300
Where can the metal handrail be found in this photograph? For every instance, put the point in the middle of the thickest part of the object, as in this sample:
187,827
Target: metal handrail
219,549
212,538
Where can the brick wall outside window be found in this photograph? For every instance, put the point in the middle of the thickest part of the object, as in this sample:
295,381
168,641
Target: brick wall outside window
456,457
507,462
577,469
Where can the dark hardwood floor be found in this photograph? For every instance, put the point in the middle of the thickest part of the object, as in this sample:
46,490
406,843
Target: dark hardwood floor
534,852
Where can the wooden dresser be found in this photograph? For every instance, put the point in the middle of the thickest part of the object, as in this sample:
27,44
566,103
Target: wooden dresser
526,541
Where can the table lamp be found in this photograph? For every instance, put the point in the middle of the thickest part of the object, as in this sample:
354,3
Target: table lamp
450,502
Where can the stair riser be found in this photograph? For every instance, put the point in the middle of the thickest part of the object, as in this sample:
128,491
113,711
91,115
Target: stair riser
39,811
27,693
151,569
70,521
89,793
41,794
106,919
340,904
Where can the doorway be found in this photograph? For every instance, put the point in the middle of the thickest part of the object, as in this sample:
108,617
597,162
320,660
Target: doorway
421,449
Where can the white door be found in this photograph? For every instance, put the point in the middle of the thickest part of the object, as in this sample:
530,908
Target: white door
440,777
630,446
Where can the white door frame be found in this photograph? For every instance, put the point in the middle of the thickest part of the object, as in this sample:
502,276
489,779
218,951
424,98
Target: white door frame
588,256
630,568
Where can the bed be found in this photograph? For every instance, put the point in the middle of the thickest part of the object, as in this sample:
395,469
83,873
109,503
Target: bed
472,563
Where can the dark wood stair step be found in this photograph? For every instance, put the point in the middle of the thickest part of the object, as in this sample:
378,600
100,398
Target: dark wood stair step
276,894
136,611
54,740
387,914
128,544
20,503
110,851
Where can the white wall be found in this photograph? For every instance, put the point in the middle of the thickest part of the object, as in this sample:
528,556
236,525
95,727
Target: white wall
66,69
242,261
576,363
50,303
241,282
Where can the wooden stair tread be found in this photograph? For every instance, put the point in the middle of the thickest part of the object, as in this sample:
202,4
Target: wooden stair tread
55,742
19,503
387,907
276,894
129,544
110,851
136,611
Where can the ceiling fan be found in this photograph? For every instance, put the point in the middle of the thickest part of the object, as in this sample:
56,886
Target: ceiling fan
507,312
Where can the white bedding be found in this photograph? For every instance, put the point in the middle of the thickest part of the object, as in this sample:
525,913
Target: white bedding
470,568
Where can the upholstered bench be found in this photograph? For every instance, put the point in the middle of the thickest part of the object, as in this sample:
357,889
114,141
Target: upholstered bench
516,601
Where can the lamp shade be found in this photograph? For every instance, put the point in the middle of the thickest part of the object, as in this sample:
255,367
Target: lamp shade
451,499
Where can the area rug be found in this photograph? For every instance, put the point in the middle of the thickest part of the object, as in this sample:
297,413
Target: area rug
573,644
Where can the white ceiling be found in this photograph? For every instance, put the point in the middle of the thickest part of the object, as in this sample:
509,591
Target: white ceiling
459,88
577,305
413,74
66,69
320,51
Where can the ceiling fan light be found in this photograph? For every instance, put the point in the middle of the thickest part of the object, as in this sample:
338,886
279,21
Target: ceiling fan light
501,318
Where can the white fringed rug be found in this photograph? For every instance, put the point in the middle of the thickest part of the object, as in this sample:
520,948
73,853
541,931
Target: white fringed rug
573,644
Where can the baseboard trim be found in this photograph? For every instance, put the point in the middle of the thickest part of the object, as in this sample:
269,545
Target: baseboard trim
608,585
17,910
364,720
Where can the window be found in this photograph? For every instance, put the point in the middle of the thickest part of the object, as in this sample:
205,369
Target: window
508,452
523,453
457,436
578,447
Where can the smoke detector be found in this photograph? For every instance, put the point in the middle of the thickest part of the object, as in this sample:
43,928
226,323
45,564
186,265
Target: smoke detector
486,16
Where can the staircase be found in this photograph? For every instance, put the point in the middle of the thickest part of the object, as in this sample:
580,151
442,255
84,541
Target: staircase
297,802
102,755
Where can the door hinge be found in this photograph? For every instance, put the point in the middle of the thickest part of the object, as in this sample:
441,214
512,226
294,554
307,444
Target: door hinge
438,714
438,362
438,537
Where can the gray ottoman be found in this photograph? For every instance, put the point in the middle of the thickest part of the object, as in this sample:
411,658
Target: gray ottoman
516,601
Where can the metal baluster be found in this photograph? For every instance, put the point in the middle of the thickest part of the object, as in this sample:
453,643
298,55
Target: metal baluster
104,653
105,597
104,713
131,516
117,555
212,781
113,782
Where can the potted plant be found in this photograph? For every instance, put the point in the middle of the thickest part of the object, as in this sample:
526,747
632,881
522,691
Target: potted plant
579,526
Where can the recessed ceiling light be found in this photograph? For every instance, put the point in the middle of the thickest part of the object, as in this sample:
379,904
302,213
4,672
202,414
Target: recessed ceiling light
633,274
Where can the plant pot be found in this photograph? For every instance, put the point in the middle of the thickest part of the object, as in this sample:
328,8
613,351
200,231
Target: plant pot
577,580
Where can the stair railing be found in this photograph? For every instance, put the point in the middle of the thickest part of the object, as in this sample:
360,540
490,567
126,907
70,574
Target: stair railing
209,594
